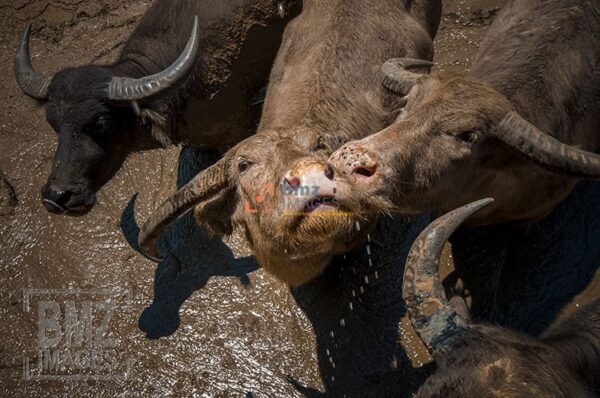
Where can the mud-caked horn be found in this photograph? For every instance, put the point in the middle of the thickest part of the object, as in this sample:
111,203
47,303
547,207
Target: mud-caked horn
545,150
32,83
204,186
399,74
434,319
131,89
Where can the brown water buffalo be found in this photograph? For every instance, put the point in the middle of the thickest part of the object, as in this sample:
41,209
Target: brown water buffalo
516,128
161,91
479,360
324,91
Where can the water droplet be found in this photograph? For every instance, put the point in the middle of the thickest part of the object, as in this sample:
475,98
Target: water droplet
367,280
331,334
342,322
358,226
369,238
368,250
370,262
351,306
327,352
362,290
353,293
376,275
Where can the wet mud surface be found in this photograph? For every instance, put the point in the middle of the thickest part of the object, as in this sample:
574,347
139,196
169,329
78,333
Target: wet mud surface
206,321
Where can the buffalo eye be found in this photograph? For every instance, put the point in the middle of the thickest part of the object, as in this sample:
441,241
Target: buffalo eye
102,123
243,165
469,136
322,145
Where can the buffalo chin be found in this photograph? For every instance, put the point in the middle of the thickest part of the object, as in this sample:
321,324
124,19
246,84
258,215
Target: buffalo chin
306,243
365,206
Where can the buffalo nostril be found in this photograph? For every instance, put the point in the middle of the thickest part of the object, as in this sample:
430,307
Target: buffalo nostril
53,207
292,182
56,197
329,173
366,171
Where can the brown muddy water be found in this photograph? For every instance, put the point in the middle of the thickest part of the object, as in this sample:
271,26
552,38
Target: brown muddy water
206,321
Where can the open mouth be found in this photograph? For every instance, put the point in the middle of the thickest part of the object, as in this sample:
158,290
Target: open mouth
325,202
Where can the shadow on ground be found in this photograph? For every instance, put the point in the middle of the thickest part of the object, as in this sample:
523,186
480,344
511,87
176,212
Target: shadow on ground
191,257
523,276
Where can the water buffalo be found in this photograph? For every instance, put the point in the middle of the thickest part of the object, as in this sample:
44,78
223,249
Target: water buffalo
479,360
324,91
161,91
516,128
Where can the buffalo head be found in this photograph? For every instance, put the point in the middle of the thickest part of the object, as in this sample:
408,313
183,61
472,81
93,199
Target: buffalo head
457,139
96,113
277,187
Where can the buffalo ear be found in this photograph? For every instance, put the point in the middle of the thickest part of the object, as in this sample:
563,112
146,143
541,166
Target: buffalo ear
215,214
160,125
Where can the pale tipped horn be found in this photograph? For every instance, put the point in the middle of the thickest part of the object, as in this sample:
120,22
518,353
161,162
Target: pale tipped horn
130,89
204,186
431,314
396,74
545,150
32,83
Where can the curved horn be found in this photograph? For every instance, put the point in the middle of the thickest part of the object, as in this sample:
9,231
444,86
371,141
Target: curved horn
546,150
397,77
203,187
129,89
431,314
31,81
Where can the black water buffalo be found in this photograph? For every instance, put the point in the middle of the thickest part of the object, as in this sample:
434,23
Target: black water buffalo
479,360
515,129
324,90
161,91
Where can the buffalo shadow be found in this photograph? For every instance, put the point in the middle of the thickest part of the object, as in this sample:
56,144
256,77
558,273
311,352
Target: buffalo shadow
192,257
523,276
355,308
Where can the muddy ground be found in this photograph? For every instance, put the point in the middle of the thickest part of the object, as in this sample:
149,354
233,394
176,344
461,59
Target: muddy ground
206,322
